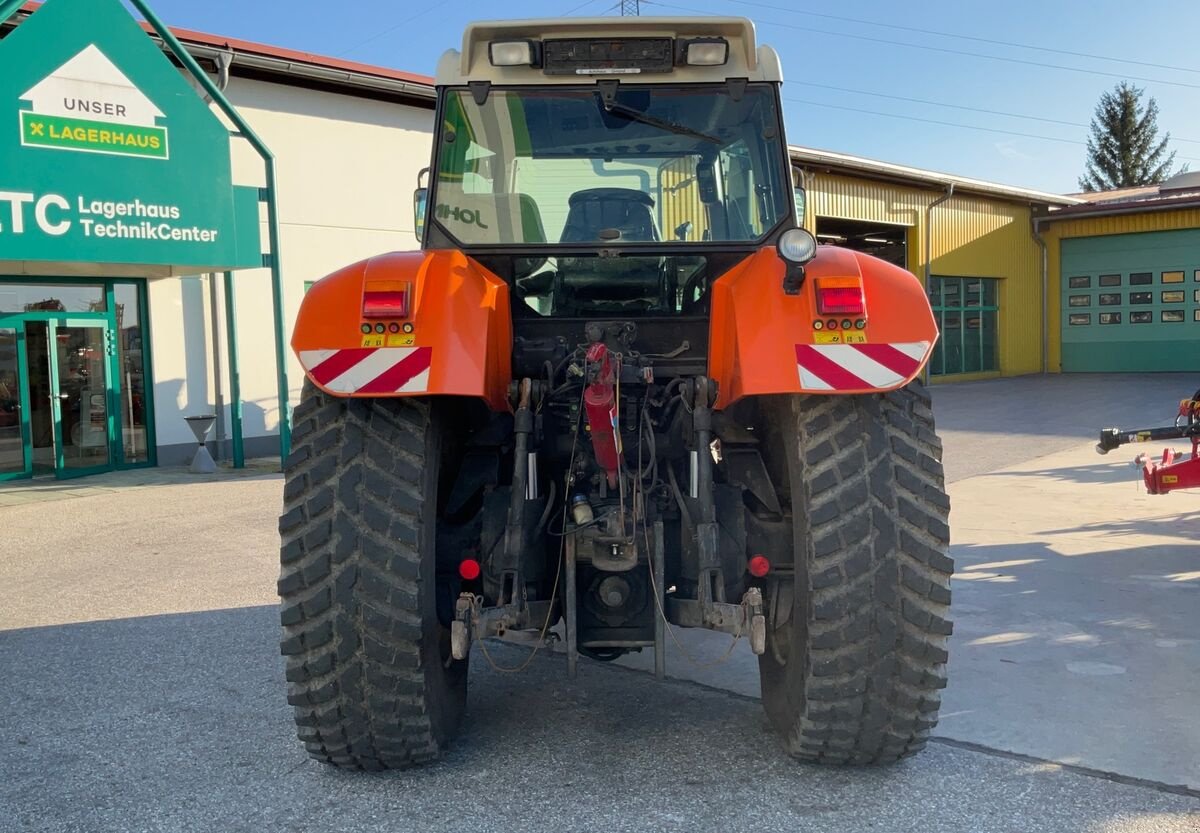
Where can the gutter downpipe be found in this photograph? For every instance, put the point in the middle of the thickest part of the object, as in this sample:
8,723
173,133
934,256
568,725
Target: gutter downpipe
218,387
1037,236
222,60
929,249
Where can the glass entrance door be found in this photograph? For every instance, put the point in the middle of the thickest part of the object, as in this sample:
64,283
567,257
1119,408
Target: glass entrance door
15,456
70,417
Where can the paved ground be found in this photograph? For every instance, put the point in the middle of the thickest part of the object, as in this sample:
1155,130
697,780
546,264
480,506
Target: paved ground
143,690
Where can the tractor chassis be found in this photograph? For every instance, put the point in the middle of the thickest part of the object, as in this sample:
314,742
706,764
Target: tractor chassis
614,554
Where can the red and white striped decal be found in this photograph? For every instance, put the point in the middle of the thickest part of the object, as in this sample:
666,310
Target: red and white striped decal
379,370
858,366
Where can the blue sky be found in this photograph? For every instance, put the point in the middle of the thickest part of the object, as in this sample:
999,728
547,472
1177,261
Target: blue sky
850,65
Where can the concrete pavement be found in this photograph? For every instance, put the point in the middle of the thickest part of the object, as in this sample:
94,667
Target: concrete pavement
143,689
177,723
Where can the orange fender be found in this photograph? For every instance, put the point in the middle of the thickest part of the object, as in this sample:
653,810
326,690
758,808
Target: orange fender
764,341
455,339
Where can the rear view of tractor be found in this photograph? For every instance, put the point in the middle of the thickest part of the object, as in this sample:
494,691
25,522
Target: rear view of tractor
617,389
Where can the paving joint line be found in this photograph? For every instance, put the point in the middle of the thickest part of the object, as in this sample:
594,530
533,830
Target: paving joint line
965,745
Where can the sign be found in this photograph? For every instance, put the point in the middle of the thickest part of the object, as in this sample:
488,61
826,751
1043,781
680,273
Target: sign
89,105
107,154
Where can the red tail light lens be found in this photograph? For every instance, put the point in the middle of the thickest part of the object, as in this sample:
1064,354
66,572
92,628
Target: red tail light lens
758,566
840,296
387,301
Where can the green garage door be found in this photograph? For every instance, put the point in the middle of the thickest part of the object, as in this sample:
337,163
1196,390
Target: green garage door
1131,302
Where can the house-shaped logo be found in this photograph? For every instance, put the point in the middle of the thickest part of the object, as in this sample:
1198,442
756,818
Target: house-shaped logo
88,105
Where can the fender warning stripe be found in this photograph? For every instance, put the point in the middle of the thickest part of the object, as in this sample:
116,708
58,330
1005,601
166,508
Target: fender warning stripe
401,373
827,370
832,367
891,358
370,370
335,364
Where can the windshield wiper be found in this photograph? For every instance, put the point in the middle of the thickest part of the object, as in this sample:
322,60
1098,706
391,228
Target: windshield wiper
634,114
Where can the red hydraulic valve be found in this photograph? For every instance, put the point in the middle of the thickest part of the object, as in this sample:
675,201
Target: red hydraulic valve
600,404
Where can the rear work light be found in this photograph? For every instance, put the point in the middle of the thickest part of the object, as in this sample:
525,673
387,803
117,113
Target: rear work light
840,296
706,52
512,53
387,299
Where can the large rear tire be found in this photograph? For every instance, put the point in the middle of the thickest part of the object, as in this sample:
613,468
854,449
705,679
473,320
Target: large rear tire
368,668
856,652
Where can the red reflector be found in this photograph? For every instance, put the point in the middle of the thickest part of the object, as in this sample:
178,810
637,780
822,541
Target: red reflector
468,568
840,300
758,566
388,304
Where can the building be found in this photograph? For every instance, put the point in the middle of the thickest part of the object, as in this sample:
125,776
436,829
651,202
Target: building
1126,268
970,242
350,140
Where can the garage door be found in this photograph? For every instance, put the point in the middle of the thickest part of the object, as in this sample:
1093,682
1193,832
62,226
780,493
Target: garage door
1131,302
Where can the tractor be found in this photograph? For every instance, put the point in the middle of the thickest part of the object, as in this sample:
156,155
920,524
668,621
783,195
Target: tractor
618,391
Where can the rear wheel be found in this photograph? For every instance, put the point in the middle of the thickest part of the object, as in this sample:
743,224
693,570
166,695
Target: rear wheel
856,651
368,662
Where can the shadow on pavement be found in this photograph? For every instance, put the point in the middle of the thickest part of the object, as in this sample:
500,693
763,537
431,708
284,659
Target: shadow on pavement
179,722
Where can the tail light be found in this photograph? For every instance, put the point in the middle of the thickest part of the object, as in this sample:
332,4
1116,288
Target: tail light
758,566
387,299
840,296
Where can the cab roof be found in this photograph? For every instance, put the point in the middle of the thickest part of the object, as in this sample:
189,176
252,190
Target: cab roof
746,58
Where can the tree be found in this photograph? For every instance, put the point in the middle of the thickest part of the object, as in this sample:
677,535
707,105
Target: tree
1124,149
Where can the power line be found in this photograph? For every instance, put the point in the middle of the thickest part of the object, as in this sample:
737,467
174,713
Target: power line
956,106
577,8
391,29
953,124
959,36
946,51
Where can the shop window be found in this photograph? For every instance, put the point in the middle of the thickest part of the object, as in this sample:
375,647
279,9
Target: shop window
1085,281
1110,318
48,297
1144,317
1172,277
1080,301
1174,296
1079,319
1172,316
1141,297
966,310
1110,299
1110,280
1141,278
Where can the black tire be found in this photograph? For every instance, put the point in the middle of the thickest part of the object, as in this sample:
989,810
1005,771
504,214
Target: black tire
856,653
367,666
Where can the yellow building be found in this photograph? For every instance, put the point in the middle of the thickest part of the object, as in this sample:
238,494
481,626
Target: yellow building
971,242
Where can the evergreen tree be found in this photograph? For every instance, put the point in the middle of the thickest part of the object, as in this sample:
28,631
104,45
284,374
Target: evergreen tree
1124,150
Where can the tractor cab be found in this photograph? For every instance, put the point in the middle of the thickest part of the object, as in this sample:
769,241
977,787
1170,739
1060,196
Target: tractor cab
609,172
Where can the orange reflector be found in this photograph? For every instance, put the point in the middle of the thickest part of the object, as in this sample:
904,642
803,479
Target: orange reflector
469,569
758,566
386,299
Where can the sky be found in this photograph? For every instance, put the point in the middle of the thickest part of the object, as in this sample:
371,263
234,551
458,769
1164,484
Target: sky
899,82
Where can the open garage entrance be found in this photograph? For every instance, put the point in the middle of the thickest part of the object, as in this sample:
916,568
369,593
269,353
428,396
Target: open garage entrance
883,240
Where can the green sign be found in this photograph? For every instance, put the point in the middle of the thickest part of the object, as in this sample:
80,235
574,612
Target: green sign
108,155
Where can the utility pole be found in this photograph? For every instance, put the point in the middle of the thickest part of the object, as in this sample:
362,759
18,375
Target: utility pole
631,8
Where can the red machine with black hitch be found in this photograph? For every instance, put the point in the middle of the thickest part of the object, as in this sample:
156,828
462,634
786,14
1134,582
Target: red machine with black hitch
1174,470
